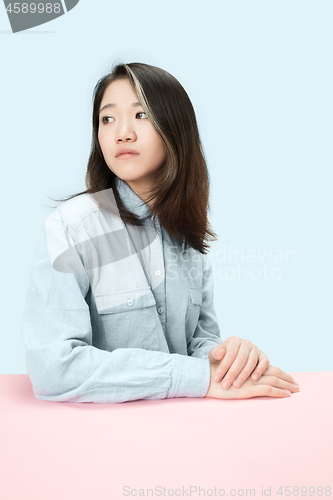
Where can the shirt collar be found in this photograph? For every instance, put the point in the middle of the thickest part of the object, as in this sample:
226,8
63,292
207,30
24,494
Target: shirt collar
131,200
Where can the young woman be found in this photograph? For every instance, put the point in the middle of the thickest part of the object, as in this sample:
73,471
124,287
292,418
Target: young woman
120,300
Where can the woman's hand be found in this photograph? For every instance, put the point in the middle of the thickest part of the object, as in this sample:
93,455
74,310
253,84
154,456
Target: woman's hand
240,357
273,383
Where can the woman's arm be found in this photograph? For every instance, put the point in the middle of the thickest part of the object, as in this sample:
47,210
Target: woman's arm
62,363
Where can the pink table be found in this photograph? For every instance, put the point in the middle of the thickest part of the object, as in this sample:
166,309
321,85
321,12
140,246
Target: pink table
70,451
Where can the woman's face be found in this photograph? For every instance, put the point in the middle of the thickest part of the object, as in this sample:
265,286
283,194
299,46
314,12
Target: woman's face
123,124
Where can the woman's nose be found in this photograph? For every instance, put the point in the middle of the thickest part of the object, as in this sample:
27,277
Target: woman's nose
125,132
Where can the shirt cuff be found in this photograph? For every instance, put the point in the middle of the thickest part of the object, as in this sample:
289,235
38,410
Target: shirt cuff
190,377
203,351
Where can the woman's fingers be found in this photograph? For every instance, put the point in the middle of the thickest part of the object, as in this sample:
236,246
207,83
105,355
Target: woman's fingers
227,362
263,364
277,383
274,370
273,383
272,392
243,374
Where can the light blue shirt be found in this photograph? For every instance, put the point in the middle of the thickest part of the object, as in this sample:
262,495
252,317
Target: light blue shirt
113,312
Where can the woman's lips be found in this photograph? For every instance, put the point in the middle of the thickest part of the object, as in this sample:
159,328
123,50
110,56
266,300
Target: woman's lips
124,156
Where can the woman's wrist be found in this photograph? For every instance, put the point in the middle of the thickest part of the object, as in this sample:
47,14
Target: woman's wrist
213,367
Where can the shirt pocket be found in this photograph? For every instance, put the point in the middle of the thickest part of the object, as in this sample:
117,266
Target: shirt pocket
128,319
193,309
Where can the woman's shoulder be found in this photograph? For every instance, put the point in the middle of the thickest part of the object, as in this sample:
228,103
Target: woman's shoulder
72,211
85,209
81,222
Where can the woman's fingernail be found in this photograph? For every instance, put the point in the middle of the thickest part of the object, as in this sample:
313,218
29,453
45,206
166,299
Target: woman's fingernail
238,382
256,376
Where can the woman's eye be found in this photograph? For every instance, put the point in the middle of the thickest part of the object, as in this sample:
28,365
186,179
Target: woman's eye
105,118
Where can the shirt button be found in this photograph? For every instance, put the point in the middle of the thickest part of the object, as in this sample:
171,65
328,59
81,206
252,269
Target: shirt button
160,309
130,302
158,272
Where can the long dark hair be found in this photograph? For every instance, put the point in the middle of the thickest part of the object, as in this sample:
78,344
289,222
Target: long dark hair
180,190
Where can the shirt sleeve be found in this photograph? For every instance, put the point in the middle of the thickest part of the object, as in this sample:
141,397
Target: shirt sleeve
207,333
62,363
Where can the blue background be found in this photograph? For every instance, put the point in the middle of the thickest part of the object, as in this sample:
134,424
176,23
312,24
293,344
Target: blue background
259,75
